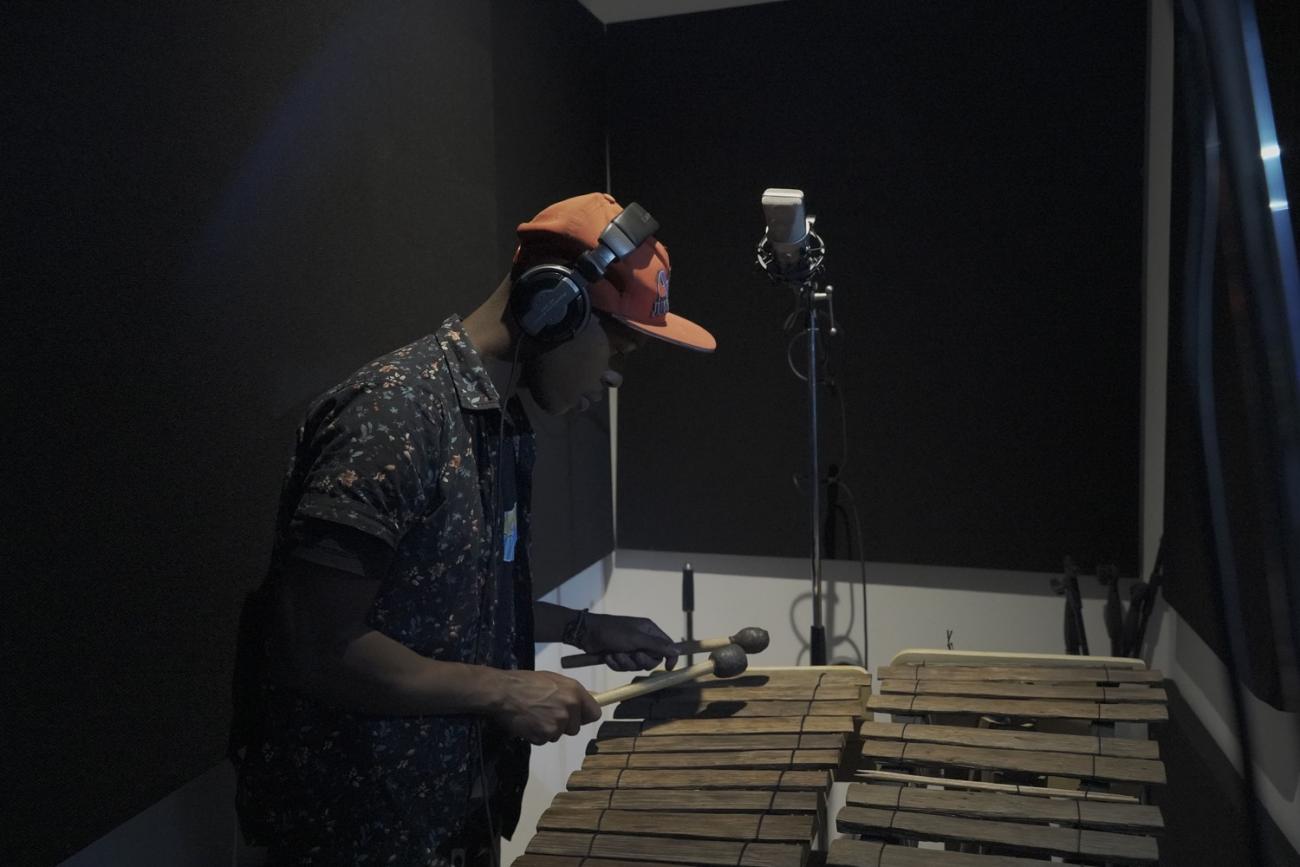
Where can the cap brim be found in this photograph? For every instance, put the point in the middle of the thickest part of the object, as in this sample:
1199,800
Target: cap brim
675,330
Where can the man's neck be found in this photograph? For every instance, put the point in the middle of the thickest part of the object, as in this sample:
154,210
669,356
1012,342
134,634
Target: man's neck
494,340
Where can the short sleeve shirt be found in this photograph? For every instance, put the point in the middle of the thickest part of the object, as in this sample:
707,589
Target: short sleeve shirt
403,455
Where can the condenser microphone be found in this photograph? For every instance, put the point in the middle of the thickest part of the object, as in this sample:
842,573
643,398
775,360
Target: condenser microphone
787,225
790,250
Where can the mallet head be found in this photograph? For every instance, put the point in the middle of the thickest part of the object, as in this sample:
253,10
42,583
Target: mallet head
751,639
729,661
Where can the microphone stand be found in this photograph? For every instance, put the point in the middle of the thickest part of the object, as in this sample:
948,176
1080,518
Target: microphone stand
802,278
810,296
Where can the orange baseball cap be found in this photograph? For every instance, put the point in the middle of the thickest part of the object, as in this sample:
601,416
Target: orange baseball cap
634,290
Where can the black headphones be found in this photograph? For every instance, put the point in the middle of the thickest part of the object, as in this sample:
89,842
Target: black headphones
550,301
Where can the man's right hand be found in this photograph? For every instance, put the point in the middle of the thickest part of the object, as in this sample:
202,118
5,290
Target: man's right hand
539,706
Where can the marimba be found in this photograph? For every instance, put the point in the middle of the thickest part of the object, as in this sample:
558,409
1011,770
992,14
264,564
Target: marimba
991,762
718,772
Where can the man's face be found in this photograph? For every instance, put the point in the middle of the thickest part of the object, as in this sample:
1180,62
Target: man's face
575,373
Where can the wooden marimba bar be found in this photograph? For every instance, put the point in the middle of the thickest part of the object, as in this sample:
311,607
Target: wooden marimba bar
719,772
1048,779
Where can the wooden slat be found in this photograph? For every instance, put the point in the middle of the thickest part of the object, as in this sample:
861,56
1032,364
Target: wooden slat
527,860
715,708
784,677
1009,689
809,691
1037,839
1017,808
693,800
846,675
1025,673
700,779
732,726
717,743
730,759
1030,761
1036,708
847,852
985,786
725,853
788,828
790,692
1010,739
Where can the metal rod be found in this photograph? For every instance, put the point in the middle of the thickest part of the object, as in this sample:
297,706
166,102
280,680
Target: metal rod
817,638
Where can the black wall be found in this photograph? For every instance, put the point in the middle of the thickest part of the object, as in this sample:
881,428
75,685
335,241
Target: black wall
210,217
550,135
977,174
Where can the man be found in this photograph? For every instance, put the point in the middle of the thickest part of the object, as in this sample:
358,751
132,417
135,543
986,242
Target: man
388,699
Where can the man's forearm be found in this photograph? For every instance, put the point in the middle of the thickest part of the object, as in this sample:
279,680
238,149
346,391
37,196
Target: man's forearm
550,620
375,674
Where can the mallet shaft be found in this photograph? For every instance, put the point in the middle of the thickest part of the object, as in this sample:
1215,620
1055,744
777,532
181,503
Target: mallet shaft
654,683
579,660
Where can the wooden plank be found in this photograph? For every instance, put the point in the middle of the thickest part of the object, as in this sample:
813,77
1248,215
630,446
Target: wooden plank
1030,761
715,708
1034,708
1036,839
700,779
786,677
1136,817
788,828
1009,689
717,743
848,852
707,826
773,692
1024,673
728,759
1135,692
832,691
708,852
1016,808
1010,739
984,786
712,801
599,799
1133,713
725,853
847,675
691,800
732,726
527,860
801,759
765,678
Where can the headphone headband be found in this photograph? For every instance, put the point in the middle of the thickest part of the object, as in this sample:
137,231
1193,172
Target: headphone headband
550,302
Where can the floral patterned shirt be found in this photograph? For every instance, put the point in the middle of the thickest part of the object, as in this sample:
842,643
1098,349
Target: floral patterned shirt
403,455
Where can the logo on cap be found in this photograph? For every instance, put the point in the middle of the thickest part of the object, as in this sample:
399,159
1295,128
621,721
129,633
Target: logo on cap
660,308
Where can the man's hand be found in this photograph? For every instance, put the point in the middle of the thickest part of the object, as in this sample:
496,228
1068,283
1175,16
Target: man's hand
539,706
628,643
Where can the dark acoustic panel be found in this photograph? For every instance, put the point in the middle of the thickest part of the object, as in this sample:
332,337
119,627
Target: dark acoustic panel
976,171
550,145
211,217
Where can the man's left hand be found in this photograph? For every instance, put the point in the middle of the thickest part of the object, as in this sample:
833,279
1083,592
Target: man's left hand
628,643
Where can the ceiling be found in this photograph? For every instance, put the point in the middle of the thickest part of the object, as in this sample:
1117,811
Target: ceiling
613,11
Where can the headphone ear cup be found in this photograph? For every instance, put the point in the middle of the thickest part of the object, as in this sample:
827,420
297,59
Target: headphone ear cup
550,303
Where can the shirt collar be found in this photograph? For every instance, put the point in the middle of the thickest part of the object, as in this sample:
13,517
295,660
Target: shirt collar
474,387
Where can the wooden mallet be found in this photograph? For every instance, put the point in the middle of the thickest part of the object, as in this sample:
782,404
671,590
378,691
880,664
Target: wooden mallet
751,639
727,661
